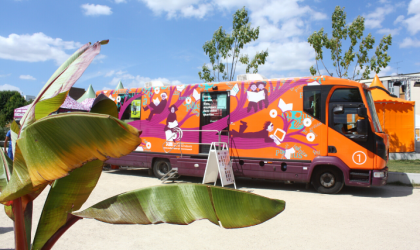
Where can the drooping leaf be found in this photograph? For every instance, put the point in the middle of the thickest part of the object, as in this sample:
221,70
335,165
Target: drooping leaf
104,105
47,106
20,183
63,79
66,195
183,204
67,141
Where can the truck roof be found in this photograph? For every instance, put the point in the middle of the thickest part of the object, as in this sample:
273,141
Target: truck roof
324,80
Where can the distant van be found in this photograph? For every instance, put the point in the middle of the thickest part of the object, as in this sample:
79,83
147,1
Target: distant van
320,130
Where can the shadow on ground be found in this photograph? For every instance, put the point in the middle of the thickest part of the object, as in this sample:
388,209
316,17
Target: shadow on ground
248,184
4,230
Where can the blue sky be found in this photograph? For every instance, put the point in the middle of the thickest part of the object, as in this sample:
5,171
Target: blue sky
162,39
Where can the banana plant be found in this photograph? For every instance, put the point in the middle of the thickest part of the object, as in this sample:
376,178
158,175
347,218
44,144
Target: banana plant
67,152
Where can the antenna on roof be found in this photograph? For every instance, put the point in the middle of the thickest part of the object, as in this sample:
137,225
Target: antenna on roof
397,65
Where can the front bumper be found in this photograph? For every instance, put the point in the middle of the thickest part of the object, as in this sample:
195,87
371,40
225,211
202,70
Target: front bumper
379,177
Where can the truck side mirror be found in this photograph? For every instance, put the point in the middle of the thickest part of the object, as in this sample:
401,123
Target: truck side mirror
338,110
362,127
362,112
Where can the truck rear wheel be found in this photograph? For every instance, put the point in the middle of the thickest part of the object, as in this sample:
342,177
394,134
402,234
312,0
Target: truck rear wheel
328,180
161,167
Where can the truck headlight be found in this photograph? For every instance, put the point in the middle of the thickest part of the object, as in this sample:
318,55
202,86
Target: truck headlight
378,174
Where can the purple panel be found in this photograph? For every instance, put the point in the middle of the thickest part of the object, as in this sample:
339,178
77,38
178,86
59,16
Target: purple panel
133,160
251,168
329,160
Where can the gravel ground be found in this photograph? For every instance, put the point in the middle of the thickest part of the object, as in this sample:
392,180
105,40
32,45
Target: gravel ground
357,218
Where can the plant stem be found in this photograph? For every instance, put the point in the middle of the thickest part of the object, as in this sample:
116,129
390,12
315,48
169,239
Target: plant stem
70,221
20,232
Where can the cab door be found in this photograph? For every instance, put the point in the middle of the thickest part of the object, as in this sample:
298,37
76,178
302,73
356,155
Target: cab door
346,139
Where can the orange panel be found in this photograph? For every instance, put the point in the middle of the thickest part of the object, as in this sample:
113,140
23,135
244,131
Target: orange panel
351,153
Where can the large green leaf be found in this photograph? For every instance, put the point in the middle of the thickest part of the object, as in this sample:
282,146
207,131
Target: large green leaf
5,170
20,182
26,203
183,204
62,80
58,144
66,195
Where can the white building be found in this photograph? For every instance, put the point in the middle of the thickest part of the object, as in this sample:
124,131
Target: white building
29,97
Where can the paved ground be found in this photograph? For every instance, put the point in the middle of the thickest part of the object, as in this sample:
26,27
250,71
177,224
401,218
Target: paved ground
357,218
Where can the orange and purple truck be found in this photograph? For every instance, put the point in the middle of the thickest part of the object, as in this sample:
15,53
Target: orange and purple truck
320,130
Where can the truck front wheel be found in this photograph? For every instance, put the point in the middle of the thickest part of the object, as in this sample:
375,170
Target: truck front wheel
328,180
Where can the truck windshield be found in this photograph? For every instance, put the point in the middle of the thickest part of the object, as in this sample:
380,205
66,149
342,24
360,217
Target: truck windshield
372,110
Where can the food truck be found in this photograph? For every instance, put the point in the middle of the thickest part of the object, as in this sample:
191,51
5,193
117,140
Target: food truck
320,130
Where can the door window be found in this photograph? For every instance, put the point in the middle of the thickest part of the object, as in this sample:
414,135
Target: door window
312,103
346,123
346,95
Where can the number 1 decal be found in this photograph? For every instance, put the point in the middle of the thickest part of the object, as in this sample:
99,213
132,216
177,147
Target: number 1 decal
359,157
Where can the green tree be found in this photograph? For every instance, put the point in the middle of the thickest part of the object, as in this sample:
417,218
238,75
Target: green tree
341,62
9,101
224,50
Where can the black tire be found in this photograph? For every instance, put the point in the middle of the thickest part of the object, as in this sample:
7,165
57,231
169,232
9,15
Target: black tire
328,180
161,167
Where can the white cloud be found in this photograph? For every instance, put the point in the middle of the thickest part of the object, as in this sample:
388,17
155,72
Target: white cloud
95,9
6,75
99,58
120,1
198,12
274,10
393,32
27,77
175,8
387,71
414,7
408,43
9,87
109,73
280,22
130,81
411,23
375,19
37,47
287,56
399,19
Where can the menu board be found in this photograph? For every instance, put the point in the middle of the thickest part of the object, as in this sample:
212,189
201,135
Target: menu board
214,105
225,167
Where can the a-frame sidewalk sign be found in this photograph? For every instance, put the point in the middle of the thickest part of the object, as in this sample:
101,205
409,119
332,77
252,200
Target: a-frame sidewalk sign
219,163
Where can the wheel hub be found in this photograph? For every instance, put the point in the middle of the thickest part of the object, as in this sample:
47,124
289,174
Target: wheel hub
327,180
163,168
